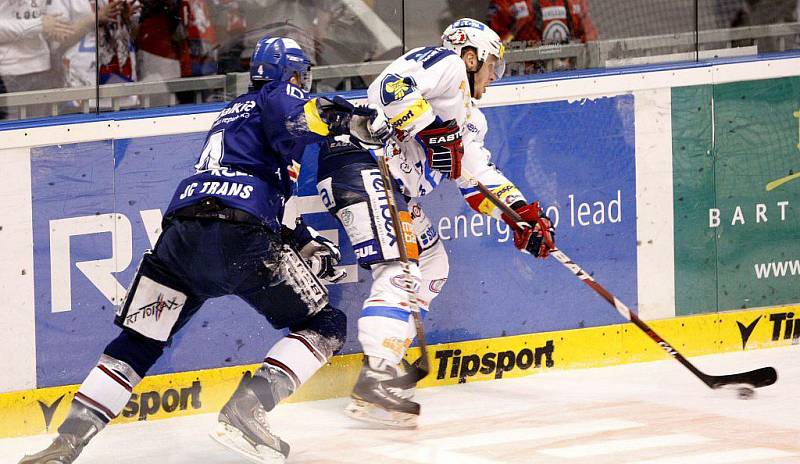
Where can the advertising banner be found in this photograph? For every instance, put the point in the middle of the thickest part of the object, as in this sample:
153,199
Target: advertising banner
97,206
736,153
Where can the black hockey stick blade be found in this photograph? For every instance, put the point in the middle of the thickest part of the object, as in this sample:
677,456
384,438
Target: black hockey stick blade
420,368
756,378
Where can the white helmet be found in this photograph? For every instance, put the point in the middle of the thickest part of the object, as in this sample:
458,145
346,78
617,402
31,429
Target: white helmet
467,32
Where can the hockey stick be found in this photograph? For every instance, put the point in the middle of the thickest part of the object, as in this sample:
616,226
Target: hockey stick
755,378
421,366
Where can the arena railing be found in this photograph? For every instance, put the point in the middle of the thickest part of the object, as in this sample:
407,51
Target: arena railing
597,54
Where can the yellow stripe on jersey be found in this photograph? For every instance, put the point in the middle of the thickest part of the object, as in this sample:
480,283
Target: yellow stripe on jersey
313,118
410,114
503,191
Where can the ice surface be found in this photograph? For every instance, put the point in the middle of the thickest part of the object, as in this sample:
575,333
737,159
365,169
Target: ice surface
653,413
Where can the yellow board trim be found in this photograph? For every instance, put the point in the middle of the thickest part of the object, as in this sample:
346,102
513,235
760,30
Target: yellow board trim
170,395
314,119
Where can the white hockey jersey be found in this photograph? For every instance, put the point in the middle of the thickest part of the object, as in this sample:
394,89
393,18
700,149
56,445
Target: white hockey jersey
423,86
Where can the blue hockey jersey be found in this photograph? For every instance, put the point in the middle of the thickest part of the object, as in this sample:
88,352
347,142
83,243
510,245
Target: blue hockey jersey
252,152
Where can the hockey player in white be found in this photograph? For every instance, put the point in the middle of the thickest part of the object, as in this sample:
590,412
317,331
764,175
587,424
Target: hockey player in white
428,95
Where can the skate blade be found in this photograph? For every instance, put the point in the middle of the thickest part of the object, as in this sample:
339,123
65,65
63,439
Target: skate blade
372,414
234,440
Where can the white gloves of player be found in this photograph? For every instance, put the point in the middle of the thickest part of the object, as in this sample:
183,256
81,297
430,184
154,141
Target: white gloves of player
322,256
369,127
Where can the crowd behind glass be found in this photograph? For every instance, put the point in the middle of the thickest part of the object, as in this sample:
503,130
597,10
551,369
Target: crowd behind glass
52,44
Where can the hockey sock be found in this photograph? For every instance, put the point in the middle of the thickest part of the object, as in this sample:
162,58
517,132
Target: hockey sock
296,356
107,388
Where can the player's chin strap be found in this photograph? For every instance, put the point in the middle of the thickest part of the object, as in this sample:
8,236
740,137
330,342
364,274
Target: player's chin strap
421,367
755,378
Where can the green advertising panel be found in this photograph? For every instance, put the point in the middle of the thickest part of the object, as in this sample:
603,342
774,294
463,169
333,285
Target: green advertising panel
693,189
736,172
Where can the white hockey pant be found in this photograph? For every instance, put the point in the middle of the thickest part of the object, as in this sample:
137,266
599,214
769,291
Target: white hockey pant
385,329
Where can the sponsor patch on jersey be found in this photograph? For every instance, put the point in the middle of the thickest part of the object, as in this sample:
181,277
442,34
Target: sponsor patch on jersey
394,88
410,114
325,190
427,237
508,193
378,203
368,252
409,237
357,222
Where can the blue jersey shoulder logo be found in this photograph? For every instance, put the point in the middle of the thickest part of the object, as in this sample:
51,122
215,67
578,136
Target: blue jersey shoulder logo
394,88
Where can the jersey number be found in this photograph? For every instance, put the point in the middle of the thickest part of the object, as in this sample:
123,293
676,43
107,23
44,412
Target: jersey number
213,152
429,56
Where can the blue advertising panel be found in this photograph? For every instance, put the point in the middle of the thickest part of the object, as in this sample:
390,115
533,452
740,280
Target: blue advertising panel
576,158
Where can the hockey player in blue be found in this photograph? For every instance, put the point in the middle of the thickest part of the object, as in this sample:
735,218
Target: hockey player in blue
222,235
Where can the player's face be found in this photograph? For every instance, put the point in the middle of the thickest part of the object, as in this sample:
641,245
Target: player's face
485,76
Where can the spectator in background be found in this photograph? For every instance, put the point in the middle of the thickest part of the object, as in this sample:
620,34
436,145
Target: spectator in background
580,9
231,28
118,20
3,112
745,13
159,43
533,23
198,47
25,26
178,38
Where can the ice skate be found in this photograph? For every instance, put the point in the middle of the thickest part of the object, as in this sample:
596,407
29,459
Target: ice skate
64,450
242,427
382,396
74,434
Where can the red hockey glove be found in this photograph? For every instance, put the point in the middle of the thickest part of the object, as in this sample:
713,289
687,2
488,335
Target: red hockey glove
537,237
444,147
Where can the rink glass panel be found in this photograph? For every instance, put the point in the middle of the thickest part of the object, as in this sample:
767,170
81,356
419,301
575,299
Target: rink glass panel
575,157
166,41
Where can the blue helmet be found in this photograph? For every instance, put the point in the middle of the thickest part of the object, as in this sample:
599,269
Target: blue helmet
277,59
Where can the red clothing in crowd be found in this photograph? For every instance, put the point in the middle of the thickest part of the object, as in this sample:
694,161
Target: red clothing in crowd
541,21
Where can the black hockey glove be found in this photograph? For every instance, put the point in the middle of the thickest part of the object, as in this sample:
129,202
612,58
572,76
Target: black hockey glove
367,126
444,147
322,256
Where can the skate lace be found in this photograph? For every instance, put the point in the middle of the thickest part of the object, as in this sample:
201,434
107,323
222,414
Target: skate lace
260,416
